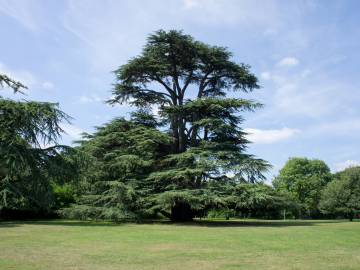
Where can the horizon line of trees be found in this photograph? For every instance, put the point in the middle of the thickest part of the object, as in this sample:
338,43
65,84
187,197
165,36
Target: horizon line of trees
176,164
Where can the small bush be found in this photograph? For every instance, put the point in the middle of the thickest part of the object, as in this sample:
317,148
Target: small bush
221,213
63,196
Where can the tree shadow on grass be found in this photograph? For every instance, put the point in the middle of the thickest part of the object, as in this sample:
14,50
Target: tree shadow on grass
261,223
7,224
196,223
71,223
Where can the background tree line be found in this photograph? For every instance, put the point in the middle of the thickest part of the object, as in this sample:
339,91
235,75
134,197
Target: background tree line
187,161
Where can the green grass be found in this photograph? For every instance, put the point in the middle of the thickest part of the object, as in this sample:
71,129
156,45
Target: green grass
257,245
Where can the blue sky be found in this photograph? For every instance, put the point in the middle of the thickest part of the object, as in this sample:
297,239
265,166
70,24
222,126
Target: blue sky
305,54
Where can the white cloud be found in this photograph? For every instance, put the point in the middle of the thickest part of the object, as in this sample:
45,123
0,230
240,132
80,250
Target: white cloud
72,131
341,127
265,75
189,4
20,11
309,93
24,77
47,85
270,32
288,62
111,36
346,164
312,97
231,12
290,98
33,15
270,135
90,99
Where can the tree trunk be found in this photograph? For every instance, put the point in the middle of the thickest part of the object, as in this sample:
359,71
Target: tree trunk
175,134
181,125
351,216
181,212
182,136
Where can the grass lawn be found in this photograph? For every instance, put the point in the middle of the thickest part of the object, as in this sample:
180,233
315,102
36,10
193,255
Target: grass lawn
65,245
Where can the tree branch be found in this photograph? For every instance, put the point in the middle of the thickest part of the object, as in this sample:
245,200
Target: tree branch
171,92
154,92
187,83
202,83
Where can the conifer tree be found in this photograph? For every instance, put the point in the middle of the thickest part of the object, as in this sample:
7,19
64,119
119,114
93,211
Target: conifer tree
29,154
189,81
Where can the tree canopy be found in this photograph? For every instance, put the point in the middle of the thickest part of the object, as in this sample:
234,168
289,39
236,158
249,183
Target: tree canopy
182,154
202,143
342,195
29,153
121,155
304,180
122,180
188,82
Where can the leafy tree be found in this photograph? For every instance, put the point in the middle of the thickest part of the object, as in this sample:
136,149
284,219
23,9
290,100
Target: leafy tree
342,195
64,195
26,164
304,179
188,81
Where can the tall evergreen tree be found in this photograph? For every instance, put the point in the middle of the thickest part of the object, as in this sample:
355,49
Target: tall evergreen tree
121,155
26,163
188,81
